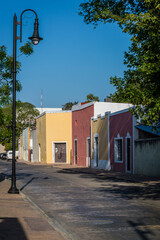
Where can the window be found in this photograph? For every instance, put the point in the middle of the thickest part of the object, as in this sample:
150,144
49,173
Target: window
118,150
128,154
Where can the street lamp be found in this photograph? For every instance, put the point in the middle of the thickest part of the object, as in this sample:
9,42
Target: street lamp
35,40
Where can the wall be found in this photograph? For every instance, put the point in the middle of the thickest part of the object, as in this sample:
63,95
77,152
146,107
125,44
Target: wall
120,123
81,130
147,157
58,129
25,144
34,145
21,147
102,107
2,148
41,138
100,127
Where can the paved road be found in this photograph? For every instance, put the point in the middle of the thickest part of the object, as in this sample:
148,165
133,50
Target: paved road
86,206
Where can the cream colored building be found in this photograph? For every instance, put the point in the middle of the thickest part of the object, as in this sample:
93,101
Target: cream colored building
100,157
54,137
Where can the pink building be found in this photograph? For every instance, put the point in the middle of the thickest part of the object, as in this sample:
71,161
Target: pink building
122,135
81,128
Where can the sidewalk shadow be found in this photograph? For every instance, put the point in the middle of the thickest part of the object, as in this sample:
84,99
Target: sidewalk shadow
33,178
142,230
10,228
1,177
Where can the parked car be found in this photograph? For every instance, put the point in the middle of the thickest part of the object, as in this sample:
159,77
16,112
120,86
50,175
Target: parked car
9,155
4,156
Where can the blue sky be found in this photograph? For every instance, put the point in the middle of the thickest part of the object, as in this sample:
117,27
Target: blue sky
73,60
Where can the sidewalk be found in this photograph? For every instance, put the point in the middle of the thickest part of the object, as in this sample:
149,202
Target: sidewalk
20,220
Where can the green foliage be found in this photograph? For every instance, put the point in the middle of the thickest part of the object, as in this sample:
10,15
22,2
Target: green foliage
68,105
27,49
6,75
91,98
141,81
25,117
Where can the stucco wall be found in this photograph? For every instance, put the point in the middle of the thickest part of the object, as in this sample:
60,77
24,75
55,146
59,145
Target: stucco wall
34,146
58,129
100,128
21,147
102,107
1,148
147,157
81,130
41,138
25,144
121,124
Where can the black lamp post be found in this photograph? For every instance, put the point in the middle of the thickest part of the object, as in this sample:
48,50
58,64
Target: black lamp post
35,40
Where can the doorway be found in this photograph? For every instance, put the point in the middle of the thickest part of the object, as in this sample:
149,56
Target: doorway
75,150
60,152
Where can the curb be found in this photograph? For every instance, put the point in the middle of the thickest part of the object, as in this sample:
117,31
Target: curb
52,221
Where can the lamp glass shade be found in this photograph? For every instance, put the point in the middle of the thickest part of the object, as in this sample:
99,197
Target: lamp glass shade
35,40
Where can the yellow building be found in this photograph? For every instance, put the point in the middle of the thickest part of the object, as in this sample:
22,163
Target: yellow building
99,142
54,137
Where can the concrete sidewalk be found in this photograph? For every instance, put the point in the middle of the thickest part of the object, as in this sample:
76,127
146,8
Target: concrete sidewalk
20,220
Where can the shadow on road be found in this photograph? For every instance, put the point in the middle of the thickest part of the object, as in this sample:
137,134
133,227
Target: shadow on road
148,191
10,228
33,178
141,229
123,185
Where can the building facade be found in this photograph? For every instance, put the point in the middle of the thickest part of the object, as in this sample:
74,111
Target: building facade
100,157
54,137
122,134
81,128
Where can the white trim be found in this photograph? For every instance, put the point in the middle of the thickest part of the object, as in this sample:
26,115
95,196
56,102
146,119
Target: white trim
115,149
39,152
96,135
92,143
100,116
109,160
127,137
48,112
88,158
53,150
75,163
122,111
134,120
79,106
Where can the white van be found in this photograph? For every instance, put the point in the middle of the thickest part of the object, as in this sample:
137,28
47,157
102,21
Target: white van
9,155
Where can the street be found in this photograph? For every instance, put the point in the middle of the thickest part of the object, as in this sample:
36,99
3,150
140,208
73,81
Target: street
82,205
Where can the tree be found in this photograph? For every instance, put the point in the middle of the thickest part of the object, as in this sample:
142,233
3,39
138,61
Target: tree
68,105
91,98
6,75
140,83
25,117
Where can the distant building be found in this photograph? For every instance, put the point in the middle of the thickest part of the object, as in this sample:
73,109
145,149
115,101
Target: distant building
2,148
42,110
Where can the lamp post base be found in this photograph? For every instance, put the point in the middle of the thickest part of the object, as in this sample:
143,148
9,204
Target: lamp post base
13,190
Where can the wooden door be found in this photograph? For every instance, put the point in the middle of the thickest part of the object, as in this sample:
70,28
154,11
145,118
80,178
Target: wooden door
60,152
